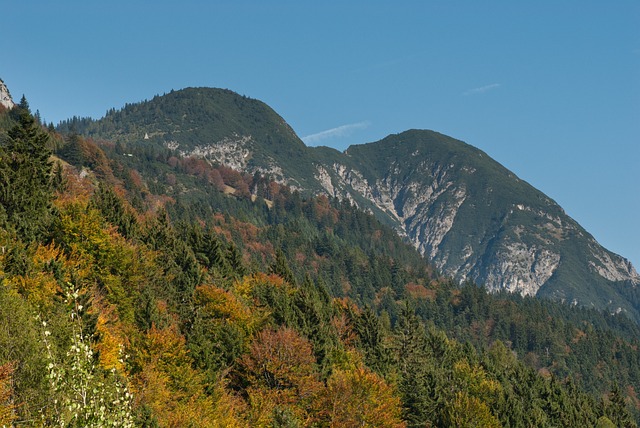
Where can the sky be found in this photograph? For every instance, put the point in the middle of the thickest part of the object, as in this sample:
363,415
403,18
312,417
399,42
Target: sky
549,89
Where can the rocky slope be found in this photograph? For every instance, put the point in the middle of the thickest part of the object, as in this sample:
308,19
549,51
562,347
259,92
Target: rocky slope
5,96
474,219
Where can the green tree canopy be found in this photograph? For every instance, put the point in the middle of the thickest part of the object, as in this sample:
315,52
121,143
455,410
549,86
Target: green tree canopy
26,191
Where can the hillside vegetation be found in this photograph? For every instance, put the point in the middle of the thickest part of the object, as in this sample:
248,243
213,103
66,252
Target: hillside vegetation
157,296
471,217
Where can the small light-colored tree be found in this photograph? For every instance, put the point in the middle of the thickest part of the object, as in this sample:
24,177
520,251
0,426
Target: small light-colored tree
83,394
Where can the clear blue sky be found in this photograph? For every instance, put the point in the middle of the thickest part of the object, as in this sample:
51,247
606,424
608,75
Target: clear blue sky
550,89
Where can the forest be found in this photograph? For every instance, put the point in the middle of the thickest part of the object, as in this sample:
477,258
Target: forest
140,288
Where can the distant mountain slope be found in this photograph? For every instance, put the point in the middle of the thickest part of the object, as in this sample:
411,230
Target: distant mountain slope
215,124
476,220
467,213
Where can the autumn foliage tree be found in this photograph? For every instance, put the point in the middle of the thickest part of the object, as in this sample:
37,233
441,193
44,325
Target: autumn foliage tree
280,370
7,407
359,397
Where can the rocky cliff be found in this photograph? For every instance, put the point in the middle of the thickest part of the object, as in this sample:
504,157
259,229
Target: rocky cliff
5,96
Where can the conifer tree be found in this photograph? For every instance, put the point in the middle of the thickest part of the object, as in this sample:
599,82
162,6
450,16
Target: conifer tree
617,410
281,267
416,384
26,190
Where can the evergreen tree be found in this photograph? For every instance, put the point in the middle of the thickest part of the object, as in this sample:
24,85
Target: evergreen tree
372,340
417,384
617,410
26,190
281,267
114,210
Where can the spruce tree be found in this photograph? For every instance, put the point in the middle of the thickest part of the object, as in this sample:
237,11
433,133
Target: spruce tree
26,190
417,384
617,410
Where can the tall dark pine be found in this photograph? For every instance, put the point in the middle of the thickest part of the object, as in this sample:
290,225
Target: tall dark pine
26,190
417,384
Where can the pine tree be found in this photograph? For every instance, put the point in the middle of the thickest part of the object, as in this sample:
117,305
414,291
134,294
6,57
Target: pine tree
617,410
281,267
26,190
416,384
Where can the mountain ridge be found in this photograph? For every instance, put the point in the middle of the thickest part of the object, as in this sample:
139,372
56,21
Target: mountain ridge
515,198
471,216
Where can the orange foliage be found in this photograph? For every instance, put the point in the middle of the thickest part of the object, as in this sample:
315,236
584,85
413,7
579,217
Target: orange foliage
136,178
110,334
248,231
7,408
281,364
545,373
418,291
579,336
323,210
344,329
273,189
300,257
174,391
77,186
633,396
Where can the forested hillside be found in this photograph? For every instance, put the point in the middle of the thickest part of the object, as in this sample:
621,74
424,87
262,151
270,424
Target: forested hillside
141,288
469,215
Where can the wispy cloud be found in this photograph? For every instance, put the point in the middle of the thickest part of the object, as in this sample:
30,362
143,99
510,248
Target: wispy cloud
482,89
340,131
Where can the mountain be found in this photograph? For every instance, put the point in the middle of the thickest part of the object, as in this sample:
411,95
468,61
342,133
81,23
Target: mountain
164,298
476,220
215,124
473,218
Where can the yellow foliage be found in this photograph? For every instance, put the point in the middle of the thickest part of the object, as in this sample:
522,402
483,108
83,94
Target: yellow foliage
474,381
224,305
86,233
244,287
465,411
262,404
174,391
346,359
39,285
38,288
357,398
111,338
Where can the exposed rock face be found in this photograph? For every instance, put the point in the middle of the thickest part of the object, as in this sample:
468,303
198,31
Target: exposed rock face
5,96
323,177
612,267
519,269
233,152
